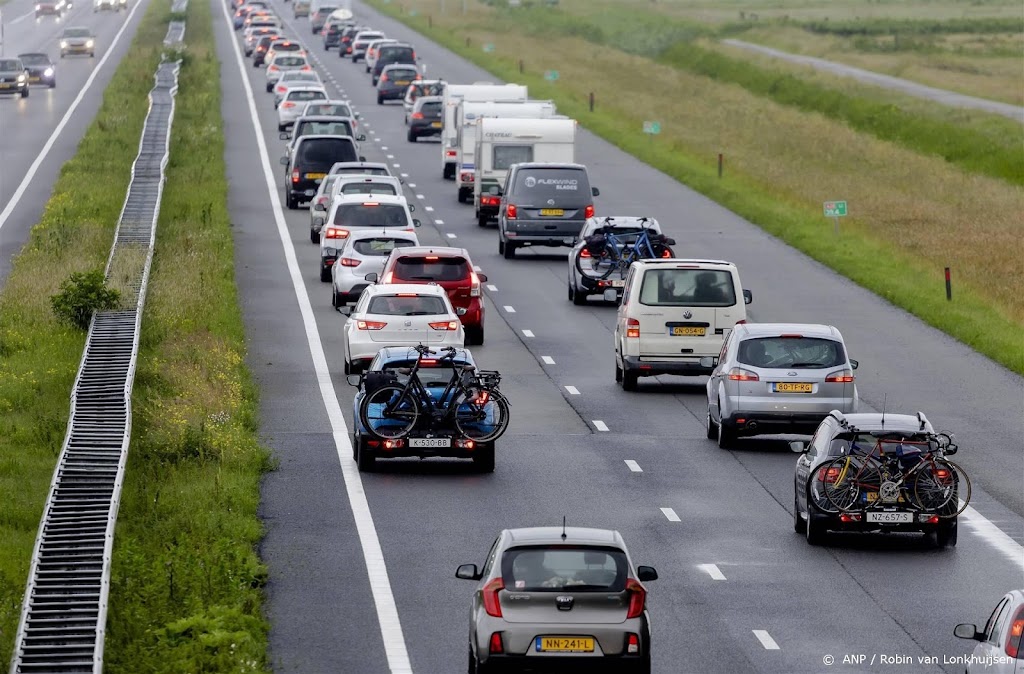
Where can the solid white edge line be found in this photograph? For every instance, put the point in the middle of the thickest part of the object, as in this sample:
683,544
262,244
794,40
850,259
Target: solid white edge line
670,515
633,466
600,425
572,390
548,360
993,535
766,640
41,157
528,333
712,570
373,555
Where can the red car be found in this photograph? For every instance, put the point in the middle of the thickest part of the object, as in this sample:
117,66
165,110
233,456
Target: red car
450,268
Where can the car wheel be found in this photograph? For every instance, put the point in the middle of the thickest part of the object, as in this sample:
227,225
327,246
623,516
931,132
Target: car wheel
281,127
483,458
357,442
578,298
24,92
712,427
411,137
509,251
314,236
291,202
475,336
325,273
814,530
629,380
799,524
335,297
348,368
481,220
270,87
725,436
366,458
944,535
380,100
501,247
618,374
53,84
92,54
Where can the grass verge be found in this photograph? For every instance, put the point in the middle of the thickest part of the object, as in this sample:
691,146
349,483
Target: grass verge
915,214
186,584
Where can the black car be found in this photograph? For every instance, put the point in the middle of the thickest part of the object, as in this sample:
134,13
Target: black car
903,438
41,70
332,32
13,77
51,8
345,38
320,125
391,53
427,118
259,52
309,163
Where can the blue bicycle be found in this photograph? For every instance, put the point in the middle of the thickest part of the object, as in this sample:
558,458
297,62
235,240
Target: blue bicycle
607,252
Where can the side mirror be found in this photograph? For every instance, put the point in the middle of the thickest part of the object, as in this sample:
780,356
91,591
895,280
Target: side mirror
610,295
482,277
748,297
412,207
362,158
345,310
284,161
709,361
646,573
968,631
318,222
594,191
361,137
854,363
284,135
493,190
416,223
468,572
371,277
354,380
798,446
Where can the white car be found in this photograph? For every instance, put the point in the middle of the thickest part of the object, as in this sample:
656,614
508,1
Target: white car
358,212
398,315
282,63
1001,643
294,99
284,45
301,78
373,49
361,40
344,185
253,34
363,253
332,108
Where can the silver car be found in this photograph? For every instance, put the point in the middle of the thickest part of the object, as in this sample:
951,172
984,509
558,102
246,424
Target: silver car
362,253
1001,647
778,378
568,599
589,275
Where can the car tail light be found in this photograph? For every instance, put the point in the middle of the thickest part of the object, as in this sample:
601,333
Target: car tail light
295,176
666,253
466,177
417,115
588,212
336,233
414,57
843,376
273,69
428,362
383,78
370,325
288,104
739,374
474,288
348,50
1013,640
632,644
510,211
830,475
445,325
350,262
491,603
495,645
585,253
637,598
449,153
281,88
632,328
307,67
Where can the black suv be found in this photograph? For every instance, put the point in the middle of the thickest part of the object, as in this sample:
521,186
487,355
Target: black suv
394,52
13,77
310,162
541,205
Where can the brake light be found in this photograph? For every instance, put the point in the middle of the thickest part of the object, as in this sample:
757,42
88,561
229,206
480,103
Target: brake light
588,212
350,262
585,253
431,257
633,328
632,644
829,475
414,56
637,598
383,78
491,603
466,177
842,376
281,88
348,50
474,288
289,104
295,176
449,153
417,115
739,374
510,212
370,325
389,277
490,201
495,645
306,67
273,68
371,204
428,362
666,253
1013,641
336,233
445,325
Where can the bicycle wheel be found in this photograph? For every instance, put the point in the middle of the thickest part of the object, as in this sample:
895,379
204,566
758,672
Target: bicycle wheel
388,414
851,482
942,487
482,421
599,267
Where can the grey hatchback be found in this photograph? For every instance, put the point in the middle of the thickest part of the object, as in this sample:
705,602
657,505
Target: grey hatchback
394,81
426,118
559,599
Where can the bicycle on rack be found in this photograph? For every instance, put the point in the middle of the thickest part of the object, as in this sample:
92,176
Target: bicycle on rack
915,473
607,252
469,402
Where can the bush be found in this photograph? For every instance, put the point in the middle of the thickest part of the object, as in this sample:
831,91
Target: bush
80,295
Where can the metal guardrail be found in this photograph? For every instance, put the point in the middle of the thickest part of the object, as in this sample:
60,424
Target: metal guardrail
63,617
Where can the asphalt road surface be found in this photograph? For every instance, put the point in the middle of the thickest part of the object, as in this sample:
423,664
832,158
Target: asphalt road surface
38,134
908,87
362,566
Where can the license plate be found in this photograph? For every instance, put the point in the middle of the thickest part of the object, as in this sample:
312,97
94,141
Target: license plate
618,284
402,83
564,645
35,78
891,518
436,125
5,85
430,442
793,387
315,176
552,211
687,331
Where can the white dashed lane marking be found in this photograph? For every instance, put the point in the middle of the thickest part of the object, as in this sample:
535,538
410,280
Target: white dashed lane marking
476,267
766,640
572,390
420,197
670,515
633,466
600,425
429,209
385,148
712,570
492,288
438,222
390,156
450,235
548,360
509,309
528,333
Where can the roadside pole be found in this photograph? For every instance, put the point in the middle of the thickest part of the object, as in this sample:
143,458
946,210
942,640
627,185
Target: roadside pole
835,210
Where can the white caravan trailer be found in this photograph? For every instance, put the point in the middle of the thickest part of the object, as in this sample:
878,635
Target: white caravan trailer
501,142
466,114
453,93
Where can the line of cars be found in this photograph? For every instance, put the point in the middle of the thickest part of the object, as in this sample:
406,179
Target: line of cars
19,73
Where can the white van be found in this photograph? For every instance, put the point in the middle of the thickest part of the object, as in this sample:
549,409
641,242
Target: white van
466,114
480,91
501,142
674,317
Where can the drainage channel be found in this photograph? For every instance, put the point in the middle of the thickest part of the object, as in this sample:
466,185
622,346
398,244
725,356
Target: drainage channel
64,612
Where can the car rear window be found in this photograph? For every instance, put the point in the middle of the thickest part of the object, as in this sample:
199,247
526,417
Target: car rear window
687,288
380,246
326,151
889,444
431,268
330,109
397,55
306,95
552,183
557,569
368,188
794,352
300,77
402,74
338,128
397,305
360,170
290,46
380,215
506,155
430,374
289,61
431,109
435,89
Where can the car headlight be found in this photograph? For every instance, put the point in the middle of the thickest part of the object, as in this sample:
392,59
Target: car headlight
48,72
38,7
21,78
88,43
63,44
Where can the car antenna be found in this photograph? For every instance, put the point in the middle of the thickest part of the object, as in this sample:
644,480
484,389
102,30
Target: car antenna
885,397
563,528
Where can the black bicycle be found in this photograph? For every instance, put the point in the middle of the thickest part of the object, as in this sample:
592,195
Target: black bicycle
607,252
469,401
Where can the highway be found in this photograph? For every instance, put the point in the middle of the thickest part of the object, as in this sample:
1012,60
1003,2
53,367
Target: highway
39,133
362,565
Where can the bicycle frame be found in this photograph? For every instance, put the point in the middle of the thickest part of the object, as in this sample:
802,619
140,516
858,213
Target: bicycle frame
443,410
894,479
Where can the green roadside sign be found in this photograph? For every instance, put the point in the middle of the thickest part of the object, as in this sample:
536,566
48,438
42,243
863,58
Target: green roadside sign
551,75
488,48
653,128
835,209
